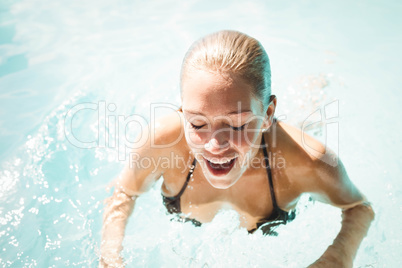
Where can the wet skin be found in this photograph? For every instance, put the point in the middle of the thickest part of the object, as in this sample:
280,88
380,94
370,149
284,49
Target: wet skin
220,120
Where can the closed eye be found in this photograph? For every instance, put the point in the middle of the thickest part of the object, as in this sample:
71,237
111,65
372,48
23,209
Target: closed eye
232,127
196,127
239,128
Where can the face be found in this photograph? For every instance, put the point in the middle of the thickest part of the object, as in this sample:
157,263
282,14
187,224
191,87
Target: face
223,123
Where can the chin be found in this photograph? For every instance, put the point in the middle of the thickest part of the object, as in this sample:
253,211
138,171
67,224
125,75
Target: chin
221,183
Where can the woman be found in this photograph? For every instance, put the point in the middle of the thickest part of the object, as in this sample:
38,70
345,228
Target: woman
227,136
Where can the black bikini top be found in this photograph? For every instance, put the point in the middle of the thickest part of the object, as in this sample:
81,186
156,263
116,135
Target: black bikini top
267,225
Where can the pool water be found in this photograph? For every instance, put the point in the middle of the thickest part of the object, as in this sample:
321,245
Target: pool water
340,58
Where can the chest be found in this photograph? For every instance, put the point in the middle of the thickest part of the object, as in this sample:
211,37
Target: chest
250,197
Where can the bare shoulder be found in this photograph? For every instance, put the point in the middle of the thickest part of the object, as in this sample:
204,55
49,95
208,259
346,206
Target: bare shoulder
151,158
166,141
308,152
160,137
296,175
314,168
168,130
301,142
300,152
174,151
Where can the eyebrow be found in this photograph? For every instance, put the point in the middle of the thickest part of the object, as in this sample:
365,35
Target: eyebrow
231,113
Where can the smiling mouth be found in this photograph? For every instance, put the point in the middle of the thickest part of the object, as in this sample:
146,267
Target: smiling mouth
220,169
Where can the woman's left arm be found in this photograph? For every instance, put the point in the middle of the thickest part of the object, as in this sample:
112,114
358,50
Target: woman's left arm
332,185
355,224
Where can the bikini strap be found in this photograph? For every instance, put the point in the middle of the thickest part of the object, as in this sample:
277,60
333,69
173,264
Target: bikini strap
189,175
268,167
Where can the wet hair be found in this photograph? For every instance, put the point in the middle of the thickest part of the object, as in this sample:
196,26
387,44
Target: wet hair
235,53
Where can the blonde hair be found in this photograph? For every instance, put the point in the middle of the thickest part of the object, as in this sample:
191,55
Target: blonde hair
235,53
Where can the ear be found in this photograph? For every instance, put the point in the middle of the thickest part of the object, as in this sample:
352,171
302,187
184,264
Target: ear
269,116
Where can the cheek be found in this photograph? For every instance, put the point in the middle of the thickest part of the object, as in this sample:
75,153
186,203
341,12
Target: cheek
195,139
249,136
252,137
249,139
243,141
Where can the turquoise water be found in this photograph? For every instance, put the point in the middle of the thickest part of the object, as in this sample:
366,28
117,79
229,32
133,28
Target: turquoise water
56,55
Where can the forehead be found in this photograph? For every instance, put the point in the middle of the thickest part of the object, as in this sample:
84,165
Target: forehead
212,93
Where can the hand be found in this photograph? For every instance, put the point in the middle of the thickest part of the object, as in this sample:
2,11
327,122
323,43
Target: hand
326,263
105,262
332,259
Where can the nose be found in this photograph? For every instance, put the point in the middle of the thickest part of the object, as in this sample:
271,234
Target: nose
217,144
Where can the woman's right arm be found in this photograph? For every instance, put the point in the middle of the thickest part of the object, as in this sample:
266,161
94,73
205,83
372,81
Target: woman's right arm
117,209
134,180
137,177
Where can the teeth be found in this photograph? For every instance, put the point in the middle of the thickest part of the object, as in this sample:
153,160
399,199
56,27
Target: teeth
216,161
